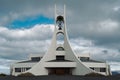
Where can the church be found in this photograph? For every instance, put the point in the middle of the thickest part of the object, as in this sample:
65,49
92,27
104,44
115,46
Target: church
60,59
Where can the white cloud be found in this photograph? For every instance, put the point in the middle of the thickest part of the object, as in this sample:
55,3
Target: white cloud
98,53
38,31
35,40
115,66
24,41
116,8
5,65
103,28
18,44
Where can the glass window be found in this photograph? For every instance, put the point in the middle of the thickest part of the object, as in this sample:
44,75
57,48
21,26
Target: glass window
84,58
17,69
35,58
92,68
27,68
97,69
59,57
102,69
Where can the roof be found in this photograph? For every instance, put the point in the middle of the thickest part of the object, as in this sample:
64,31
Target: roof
83,55
90,60
59,61
28,61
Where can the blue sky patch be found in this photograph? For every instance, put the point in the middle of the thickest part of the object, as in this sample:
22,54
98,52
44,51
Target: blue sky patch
30,22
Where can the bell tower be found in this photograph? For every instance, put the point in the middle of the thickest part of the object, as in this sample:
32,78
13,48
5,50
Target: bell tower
60,58
59,25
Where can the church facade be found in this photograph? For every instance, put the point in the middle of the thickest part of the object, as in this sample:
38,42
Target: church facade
60,59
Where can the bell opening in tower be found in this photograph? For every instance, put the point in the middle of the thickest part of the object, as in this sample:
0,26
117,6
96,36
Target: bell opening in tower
60,22
60,38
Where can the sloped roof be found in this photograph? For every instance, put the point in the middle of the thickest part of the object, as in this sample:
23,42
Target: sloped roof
28,61
90,60
59,61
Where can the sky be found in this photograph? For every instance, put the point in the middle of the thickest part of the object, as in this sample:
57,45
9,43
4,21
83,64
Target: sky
26,27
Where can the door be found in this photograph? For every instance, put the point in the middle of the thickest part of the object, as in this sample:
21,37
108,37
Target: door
60,71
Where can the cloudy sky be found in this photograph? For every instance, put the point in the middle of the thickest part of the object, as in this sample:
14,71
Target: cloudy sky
26,26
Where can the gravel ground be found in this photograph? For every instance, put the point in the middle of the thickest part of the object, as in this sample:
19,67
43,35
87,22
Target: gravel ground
60,78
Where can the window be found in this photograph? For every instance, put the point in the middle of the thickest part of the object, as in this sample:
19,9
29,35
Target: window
22,69
84,58
102,69
27,68
17,69
35,58
59,57
60,49
97,69
92,68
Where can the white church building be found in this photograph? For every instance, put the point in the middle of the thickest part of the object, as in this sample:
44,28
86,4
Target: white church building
60,59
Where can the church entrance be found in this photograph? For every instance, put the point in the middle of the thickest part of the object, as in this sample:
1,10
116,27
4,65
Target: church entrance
60,71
